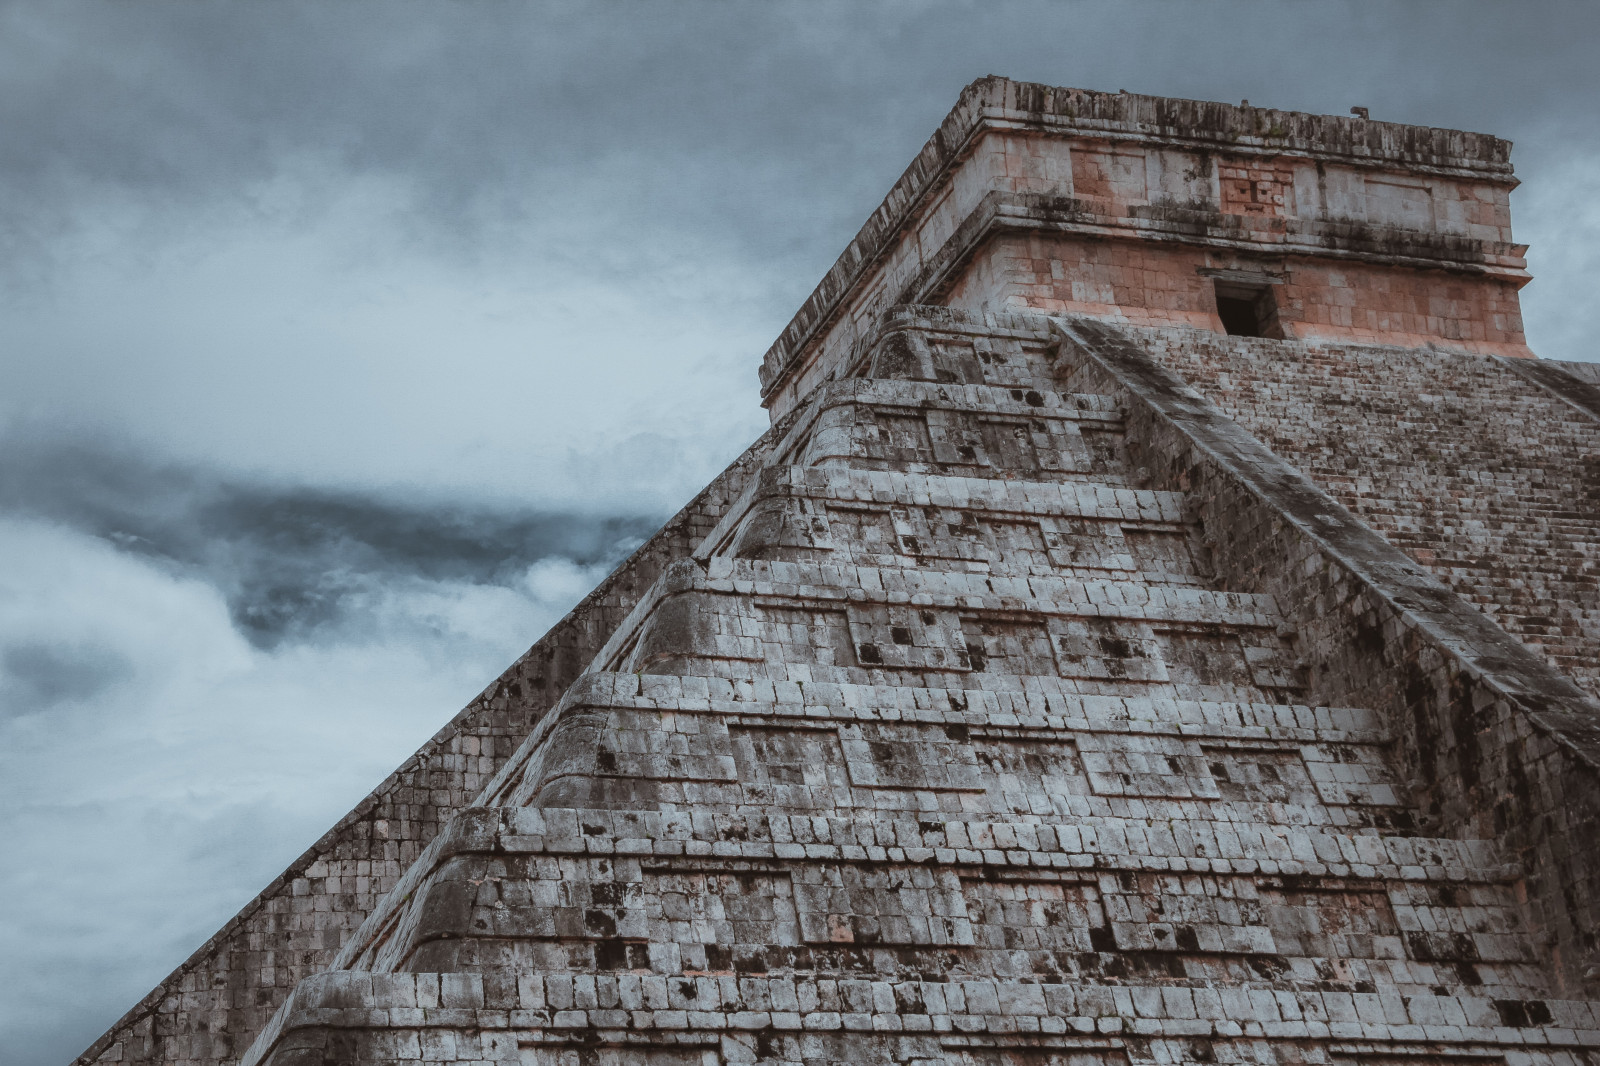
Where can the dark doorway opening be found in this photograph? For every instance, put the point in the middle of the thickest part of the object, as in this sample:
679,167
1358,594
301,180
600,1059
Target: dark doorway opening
1248,310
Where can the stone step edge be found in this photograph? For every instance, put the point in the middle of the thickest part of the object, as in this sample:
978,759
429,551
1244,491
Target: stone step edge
851,484
788,699
1301,850
1039,848
1091,597
996,1008
1026,400
833,393
1056,499
603,686
801,700
1094,599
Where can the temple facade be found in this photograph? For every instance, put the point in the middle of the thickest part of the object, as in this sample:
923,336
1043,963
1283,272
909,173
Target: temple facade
1161,625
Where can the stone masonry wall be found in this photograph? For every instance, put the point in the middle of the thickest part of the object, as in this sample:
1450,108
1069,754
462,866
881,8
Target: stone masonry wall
1148,170
1473,470
1152,284
211,1007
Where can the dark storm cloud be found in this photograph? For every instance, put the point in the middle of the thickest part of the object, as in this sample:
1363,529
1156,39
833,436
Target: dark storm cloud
37,675
750,118
290,561
484,111
592,153
297,559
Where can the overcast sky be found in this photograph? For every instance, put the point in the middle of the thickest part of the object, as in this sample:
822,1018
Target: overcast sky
344,346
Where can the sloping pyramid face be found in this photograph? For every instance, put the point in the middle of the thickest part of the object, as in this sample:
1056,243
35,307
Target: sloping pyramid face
1020,698
948,744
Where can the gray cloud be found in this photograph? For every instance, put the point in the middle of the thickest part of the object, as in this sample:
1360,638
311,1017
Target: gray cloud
261,236
198,671
292,562
35,676
299,558
762,123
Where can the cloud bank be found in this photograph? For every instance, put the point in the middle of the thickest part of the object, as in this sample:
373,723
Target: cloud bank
197,676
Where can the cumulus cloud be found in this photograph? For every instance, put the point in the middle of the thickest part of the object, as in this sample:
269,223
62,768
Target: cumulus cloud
293,561
165,749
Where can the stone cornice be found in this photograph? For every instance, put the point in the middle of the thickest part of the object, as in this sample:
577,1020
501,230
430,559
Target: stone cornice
995,103
1349,241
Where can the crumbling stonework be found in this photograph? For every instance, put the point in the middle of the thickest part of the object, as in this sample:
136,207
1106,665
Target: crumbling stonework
1061,680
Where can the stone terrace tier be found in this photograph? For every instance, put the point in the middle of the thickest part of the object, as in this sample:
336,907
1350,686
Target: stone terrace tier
759,747
896,897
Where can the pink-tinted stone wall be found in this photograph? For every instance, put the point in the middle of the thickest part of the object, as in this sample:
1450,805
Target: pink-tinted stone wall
1150,284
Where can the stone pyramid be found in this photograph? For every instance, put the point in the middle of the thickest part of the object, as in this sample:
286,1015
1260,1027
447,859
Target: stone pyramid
1159,627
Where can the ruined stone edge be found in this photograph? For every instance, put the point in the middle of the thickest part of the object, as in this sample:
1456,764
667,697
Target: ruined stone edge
1557,380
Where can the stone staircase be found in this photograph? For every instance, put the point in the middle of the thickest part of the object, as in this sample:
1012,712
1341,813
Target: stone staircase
946,745
1471,468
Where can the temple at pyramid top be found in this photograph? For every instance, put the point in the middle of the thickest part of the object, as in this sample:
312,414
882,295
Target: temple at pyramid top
1165,212
1160,625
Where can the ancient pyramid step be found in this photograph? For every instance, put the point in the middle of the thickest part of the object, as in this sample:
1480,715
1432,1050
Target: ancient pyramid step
821,622
977,430
972,1020
634,742
891,519
585,891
